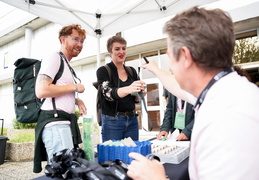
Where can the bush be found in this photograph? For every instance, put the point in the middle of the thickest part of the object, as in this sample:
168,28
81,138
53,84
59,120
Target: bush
77,113
18,125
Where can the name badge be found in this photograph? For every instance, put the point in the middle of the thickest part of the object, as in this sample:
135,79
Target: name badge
179,122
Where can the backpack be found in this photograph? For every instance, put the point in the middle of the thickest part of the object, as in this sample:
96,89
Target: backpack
26,104
99,93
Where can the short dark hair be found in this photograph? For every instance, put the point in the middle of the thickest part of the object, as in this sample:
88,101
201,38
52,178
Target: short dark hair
67,30
113,39
208,34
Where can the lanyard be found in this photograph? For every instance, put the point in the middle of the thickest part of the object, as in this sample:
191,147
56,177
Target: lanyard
181,105
212,81
70,68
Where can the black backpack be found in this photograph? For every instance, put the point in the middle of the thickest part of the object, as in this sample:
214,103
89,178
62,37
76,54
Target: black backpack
26,104
99,93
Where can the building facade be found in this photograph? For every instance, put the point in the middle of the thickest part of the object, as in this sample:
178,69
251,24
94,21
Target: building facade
35,38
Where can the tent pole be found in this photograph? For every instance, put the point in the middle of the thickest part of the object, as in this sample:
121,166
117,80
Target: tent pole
98,32
98,51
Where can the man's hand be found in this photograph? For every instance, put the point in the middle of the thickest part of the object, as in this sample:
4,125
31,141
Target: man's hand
144,169
151,66
79,88
182,137
81,107
162,133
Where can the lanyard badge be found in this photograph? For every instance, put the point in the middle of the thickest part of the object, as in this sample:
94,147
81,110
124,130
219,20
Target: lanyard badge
179,122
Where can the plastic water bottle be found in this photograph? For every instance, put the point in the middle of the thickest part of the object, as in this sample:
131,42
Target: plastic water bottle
88,139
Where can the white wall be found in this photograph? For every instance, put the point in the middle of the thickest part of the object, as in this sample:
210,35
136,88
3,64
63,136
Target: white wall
6,104
44,41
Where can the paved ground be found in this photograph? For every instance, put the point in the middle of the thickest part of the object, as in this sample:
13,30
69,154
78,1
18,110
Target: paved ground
22,170
19,170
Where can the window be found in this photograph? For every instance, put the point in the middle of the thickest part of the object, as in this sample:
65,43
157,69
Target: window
6,60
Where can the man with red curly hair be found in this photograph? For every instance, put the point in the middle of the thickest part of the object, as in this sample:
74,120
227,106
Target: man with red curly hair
57,127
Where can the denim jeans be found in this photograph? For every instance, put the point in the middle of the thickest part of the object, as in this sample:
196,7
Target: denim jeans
119,127
57,138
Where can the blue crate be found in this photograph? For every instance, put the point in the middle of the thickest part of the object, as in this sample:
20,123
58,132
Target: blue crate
108,152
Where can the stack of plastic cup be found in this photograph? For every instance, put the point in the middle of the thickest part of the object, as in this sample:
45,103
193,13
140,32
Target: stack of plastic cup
88,139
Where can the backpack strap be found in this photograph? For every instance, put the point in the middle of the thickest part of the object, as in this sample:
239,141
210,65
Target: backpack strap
109,74
97,86
109,70
141,95
58,75
129,70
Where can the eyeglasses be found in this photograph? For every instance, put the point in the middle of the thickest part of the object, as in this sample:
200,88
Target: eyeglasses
77,40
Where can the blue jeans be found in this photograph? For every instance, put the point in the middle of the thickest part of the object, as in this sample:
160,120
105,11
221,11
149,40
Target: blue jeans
119,127
57,138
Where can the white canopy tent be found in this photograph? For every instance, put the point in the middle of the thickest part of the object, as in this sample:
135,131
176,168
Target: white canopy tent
104,17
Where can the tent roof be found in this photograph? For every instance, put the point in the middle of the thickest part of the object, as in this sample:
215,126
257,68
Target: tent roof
104,17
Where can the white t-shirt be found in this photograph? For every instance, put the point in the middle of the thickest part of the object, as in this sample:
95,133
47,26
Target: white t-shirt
225,136
50,67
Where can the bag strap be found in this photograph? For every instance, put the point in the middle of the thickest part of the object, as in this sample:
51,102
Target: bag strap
141,95
129,70
58,75
25,103
109,70
109,74
99,96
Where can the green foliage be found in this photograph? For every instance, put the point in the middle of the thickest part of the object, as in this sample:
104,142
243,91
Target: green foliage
18,125
77,113
246,50
24,136
4,132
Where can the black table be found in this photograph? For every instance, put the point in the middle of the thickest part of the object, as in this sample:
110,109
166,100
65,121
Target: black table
177,171
173,171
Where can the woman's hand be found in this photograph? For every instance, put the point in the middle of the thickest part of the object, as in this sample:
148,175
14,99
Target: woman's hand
135,87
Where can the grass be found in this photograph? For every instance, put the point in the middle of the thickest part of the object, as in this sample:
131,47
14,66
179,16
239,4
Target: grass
4,131
23,137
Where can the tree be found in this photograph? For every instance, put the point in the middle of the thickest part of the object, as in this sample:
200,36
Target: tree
246,50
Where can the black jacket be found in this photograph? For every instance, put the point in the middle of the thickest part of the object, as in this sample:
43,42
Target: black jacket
111,103
45,117
169,117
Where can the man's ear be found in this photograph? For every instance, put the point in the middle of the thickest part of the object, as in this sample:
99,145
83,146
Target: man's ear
62,39
186,55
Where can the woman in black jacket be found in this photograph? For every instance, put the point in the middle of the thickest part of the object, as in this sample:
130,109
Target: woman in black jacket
119,118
